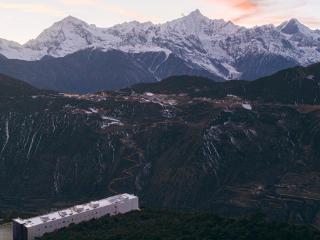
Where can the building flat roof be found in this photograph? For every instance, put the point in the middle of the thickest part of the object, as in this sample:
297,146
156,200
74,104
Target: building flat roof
75,210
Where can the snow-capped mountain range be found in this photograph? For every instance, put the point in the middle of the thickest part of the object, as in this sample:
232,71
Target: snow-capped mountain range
216,46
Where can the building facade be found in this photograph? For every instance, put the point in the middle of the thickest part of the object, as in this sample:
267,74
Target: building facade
29,229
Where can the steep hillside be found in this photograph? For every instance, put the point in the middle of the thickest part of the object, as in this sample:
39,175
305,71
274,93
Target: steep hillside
12,87
165,225
191,144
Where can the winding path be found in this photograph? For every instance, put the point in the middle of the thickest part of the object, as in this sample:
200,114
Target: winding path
128,172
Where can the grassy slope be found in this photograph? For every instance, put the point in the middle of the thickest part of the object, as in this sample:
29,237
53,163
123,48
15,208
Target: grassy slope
157,225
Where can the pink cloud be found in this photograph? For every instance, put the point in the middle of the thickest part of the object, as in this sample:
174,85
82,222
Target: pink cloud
257,12
242,5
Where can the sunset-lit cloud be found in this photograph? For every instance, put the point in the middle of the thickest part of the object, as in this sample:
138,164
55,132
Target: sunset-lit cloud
245,5
257,12
272,11
238,9
241,5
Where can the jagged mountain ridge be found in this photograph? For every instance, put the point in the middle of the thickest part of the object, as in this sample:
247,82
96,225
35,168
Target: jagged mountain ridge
219,47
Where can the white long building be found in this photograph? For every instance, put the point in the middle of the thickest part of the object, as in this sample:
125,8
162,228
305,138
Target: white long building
29,229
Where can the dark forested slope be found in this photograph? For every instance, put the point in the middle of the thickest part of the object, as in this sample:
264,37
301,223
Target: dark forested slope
164,225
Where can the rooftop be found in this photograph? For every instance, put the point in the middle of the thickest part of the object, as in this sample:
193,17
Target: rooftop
73,210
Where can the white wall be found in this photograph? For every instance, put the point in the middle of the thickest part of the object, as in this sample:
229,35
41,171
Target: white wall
121,207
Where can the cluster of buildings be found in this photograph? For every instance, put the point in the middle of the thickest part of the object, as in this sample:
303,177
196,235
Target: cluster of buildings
29,229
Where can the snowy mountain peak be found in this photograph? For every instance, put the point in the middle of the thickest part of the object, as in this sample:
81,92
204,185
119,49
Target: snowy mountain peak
72,20
196,13
195,16
69,34
192,24
293,26
66,25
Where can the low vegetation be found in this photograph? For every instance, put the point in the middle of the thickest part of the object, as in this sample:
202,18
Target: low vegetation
158,225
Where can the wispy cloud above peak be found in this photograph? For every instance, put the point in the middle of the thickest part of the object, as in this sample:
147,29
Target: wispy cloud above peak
258,12
244,4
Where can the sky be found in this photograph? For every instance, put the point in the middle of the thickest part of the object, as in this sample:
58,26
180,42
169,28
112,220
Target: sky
22,20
